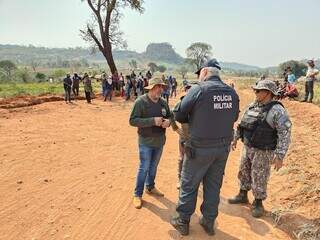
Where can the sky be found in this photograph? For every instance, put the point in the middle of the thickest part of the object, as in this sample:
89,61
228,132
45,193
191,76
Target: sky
255,32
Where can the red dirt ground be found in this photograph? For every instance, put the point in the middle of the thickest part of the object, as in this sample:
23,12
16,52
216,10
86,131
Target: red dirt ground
68,172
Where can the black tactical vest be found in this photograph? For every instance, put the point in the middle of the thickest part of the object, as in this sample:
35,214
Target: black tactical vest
254,129
151,109
212,118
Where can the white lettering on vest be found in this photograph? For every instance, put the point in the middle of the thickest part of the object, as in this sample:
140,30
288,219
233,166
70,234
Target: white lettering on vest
222,102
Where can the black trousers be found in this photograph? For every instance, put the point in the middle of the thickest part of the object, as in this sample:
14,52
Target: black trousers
75,90
88,96
67,94
309,90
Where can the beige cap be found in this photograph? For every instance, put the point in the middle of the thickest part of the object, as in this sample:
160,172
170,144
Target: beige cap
155,81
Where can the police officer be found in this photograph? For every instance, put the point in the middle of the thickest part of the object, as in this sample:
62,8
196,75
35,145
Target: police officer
265,131
210,108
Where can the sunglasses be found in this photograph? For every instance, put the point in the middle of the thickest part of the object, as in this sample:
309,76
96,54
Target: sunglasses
260,90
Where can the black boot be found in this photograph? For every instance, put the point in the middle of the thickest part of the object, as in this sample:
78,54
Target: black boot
257,208
242,197
207,226
181,226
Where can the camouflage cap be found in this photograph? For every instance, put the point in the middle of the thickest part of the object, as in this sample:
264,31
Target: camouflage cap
267,85
155,81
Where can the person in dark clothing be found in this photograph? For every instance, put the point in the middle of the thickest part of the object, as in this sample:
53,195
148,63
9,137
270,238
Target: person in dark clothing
174,87
134,86
104,84
87,87
128,87
115,82
67,83
121,85
210,108
109,87
75,84
133,75
145,82
140,86
148,75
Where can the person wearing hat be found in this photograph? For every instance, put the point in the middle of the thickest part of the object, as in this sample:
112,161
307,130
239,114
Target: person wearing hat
67,83
75,84
210,108
151,115
310,79
265,130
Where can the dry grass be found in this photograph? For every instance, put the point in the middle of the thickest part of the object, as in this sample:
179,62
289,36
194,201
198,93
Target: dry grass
308,232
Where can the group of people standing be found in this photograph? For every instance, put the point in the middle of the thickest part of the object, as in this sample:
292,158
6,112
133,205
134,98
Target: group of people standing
289,89
73,84
135,86
207,114
130,86
170,89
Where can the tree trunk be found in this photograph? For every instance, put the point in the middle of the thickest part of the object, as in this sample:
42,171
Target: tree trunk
109,57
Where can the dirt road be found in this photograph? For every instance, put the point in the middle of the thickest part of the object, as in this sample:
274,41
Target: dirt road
68,172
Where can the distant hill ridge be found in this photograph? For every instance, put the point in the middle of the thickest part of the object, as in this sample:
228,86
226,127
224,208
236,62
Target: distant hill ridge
162,53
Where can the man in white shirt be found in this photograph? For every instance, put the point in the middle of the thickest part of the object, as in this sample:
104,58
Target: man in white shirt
310,79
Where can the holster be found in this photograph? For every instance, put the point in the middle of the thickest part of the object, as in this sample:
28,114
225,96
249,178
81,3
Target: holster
190,152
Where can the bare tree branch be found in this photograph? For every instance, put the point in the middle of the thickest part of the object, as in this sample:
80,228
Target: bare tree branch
104,31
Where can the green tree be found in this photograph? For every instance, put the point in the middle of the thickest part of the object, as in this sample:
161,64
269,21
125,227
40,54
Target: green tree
104,32
40,76
7,67
298,68
133,64
34,64
153,67
23,75
84,62
162,68
198,53
59,73
183,70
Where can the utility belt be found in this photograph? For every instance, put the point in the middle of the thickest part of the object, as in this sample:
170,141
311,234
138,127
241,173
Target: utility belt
191,148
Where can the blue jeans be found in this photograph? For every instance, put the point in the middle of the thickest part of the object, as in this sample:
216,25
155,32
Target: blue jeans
206,165
149,160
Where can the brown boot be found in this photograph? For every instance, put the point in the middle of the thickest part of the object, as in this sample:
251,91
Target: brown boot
154,191
137,202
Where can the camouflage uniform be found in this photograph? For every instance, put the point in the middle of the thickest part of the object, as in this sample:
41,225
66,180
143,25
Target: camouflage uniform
255,164
182,140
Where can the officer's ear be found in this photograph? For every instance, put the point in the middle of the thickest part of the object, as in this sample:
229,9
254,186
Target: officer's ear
203,74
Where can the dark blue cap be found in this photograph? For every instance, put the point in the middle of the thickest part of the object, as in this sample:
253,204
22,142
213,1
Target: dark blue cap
211,63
